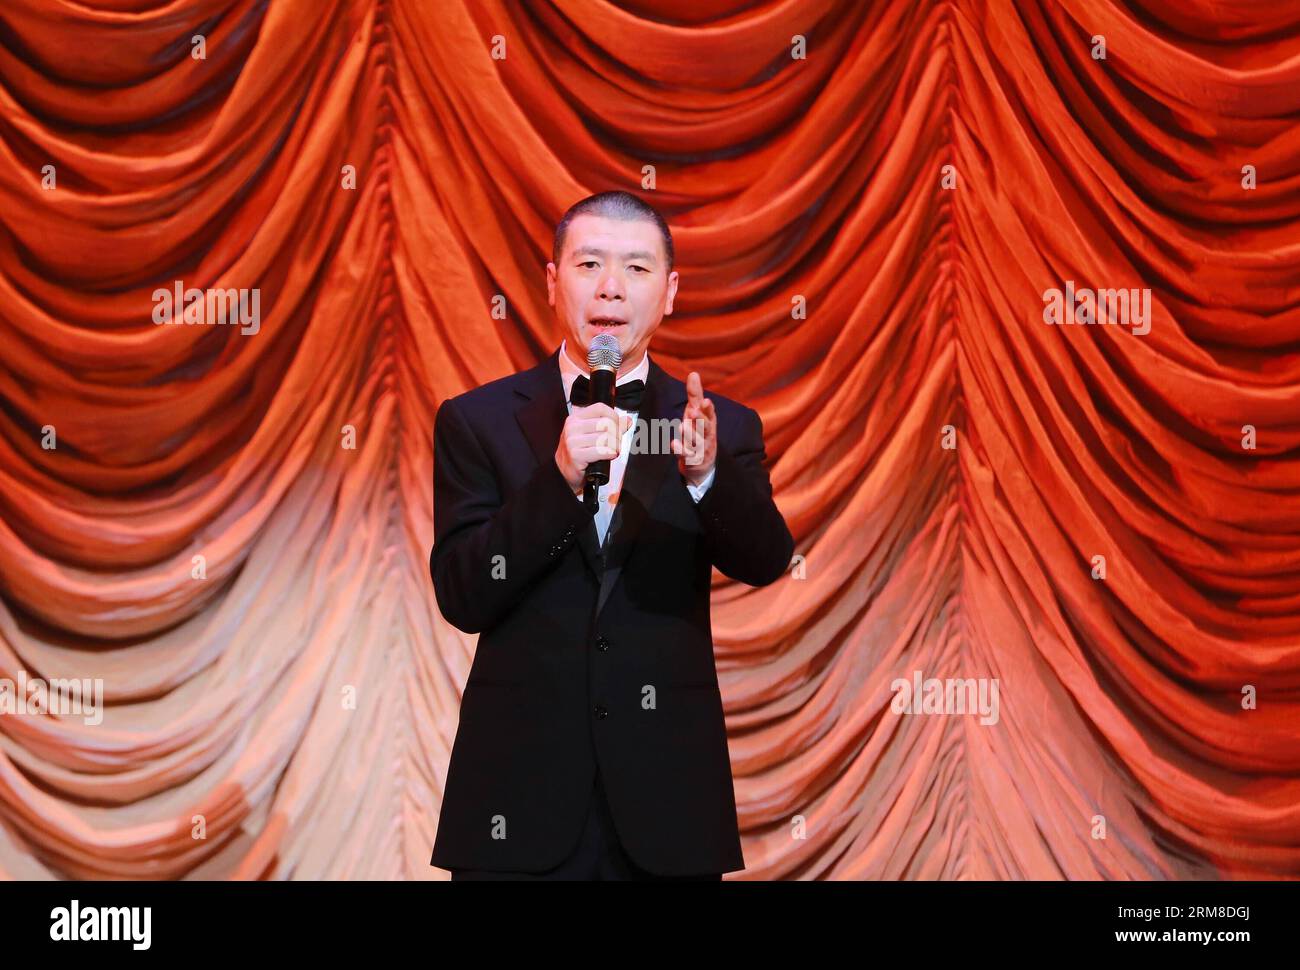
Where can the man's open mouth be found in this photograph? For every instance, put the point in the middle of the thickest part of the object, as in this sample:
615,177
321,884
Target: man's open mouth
605,323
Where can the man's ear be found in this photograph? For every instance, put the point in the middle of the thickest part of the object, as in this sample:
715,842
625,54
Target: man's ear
550,283
672,292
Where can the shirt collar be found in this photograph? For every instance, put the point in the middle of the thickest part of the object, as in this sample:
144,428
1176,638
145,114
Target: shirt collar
569,371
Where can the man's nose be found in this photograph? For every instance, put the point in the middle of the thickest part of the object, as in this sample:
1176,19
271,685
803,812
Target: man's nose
611,286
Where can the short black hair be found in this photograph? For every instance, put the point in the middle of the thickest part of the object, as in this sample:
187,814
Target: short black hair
612,205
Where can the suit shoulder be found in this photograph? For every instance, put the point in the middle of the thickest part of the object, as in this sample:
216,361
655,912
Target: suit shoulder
487,400
732,415
723,404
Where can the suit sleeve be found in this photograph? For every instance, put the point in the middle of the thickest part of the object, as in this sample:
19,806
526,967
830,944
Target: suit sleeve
529,532
744,531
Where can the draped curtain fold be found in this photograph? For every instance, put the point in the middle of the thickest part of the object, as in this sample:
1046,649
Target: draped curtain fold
229,526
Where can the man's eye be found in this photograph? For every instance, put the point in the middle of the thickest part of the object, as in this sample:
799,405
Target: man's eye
590,262
641,268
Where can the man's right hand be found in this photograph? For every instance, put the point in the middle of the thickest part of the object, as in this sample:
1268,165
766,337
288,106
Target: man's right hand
590,433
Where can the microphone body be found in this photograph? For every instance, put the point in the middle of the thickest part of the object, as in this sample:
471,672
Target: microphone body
602,392
604,359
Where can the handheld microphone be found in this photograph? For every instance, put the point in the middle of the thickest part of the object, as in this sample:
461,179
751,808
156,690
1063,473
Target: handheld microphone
604,358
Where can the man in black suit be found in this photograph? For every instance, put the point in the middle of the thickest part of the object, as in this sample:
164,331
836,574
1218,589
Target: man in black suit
592,743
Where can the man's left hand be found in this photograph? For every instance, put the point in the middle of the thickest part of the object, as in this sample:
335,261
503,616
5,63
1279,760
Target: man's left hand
697,449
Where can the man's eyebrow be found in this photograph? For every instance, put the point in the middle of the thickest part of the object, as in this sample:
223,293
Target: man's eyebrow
594,251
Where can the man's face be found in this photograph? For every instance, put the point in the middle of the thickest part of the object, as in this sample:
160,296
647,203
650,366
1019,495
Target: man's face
612,278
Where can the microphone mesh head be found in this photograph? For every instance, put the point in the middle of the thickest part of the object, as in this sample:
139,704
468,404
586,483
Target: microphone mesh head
604,352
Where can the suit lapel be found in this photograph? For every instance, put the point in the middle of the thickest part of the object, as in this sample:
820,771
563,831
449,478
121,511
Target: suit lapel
542,419
663,399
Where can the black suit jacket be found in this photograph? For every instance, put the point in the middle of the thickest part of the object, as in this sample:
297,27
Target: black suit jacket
590,657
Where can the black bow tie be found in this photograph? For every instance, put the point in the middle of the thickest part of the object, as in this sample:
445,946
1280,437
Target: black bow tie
626,395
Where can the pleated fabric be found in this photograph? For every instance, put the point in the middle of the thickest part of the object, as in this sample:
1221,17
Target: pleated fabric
231,529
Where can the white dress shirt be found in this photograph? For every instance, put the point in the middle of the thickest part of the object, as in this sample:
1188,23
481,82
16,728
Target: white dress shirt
607,494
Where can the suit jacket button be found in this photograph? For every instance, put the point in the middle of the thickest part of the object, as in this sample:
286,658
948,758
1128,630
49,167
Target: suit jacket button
601,711
602,643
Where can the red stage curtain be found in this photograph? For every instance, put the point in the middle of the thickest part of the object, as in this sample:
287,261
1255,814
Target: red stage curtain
232,529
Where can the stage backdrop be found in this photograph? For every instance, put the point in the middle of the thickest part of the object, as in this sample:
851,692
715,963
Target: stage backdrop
895,222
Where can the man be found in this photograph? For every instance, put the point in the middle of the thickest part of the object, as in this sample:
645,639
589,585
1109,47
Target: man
592,743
